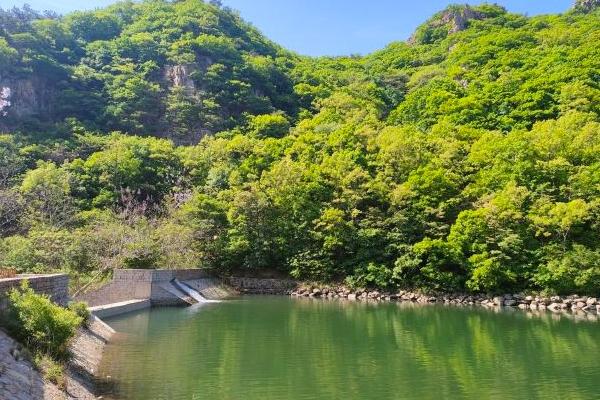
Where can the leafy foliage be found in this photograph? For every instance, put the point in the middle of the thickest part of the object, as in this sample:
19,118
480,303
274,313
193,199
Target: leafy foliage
466,159
40,324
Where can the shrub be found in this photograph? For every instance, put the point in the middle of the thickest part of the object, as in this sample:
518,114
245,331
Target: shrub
42,250
53,371
81,309
576,270
370,275
41,325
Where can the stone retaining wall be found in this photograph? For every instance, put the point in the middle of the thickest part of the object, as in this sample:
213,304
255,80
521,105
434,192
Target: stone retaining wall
54,285
263,286
132,284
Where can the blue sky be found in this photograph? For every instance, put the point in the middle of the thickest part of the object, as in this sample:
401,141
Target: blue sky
330,27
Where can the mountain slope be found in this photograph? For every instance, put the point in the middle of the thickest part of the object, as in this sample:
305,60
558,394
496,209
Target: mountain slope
467,159
181,69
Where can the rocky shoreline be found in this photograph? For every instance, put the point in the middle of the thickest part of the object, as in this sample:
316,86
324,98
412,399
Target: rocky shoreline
557,304
532,302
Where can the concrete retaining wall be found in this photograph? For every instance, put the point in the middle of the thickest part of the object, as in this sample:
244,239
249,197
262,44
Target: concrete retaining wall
54,285
131,284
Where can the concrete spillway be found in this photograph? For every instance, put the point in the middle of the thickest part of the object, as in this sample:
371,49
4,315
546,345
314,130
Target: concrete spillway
190,291
157,286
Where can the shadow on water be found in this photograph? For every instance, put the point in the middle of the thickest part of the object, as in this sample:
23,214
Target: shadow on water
275,348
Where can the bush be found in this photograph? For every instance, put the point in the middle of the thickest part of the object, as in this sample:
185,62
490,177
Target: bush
41,325
53,371
576,270
42,250
81,309
371,275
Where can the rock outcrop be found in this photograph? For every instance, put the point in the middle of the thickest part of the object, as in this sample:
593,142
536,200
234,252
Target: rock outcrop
179,76
586,5
453,19
22,98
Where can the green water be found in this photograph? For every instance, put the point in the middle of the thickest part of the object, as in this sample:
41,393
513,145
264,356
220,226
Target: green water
279,348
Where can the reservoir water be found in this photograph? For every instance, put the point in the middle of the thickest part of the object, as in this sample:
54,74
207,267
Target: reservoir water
280,348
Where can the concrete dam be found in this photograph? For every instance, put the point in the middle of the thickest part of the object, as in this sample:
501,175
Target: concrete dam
135,289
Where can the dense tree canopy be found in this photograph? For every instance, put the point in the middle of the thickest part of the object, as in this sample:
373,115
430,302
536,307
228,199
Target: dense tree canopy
173,134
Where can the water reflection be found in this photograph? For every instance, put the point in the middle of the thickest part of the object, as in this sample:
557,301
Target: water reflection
278,348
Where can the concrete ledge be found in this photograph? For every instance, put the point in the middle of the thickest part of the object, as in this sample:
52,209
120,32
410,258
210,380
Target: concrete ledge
114,309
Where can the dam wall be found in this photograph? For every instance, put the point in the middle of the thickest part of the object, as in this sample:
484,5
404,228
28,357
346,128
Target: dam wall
143,284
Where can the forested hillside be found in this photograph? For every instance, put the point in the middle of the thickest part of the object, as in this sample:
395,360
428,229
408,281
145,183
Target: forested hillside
173,134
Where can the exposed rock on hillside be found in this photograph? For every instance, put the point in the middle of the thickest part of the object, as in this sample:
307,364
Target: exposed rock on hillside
179,76
201,70
586,5
453,19
25,98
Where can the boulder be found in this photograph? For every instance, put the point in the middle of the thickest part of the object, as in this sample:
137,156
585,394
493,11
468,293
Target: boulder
592,301
352,296
555,307
579,304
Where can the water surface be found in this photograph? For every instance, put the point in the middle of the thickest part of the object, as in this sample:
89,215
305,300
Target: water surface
279,348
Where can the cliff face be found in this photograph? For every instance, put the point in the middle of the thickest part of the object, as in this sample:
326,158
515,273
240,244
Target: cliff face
180,87
178,76
23,98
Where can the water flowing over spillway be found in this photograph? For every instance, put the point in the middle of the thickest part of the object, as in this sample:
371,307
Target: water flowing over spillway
194,294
